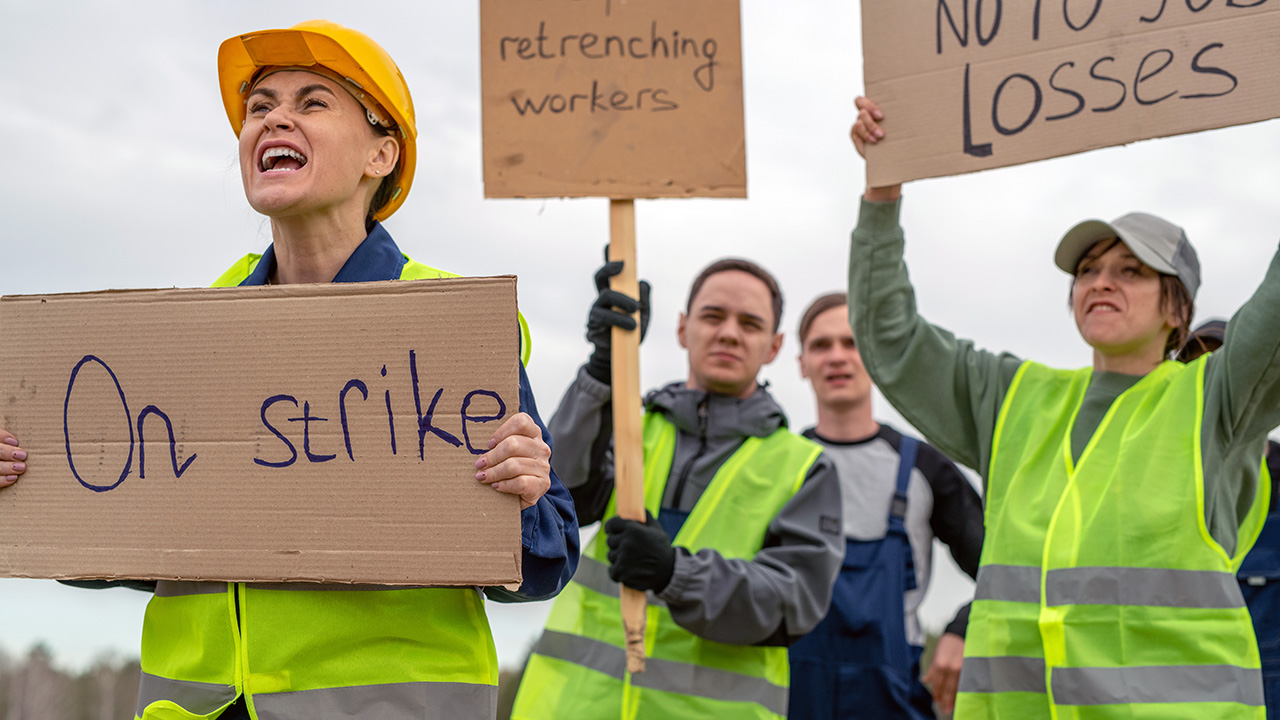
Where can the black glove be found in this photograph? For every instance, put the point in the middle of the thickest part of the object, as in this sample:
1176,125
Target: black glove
612,309
640,554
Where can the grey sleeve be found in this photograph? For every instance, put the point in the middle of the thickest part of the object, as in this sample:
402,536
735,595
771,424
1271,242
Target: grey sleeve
948,389
1244,375
780,594
1241,405
582,455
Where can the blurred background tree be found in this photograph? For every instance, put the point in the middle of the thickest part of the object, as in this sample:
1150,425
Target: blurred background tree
35,688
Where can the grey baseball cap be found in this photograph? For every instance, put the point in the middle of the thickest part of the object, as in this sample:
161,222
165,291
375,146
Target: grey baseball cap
1155,241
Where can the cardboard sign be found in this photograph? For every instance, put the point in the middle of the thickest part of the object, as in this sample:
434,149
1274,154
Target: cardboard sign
639,99
973,84
305,432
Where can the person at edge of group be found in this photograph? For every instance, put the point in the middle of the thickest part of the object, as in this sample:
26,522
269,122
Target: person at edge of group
327,150
863,659
1259,576
1120,498
744,536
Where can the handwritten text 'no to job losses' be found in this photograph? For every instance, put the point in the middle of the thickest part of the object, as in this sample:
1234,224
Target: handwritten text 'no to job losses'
1126,75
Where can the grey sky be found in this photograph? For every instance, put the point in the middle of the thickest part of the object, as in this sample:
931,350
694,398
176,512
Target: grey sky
118,169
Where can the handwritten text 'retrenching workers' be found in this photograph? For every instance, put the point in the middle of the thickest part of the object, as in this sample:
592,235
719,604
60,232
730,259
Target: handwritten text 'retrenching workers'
603,94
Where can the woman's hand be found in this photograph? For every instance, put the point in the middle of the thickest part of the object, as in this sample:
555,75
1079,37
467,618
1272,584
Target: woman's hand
867,131
12,459
518,461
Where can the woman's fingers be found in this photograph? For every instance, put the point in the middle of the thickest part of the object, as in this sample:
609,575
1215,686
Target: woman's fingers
12,459
866,129
864,103
518,424
518,462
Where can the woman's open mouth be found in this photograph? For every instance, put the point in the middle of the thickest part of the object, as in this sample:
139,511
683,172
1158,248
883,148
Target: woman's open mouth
281,159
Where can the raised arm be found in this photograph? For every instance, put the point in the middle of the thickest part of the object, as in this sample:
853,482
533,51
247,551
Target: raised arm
583,424
1245,372
949,390
1241,405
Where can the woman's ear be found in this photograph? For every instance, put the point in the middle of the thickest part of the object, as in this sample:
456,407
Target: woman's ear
383,159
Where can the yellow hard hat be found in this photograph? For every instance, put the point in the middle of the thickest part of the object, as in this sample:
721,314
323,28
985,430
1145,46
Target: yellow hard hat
360,65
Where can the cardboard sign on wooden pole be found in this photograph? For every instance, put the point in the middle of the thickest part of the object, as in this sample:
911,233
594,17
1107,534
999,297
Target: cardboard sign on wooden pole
967,85
622,99
320,433
607,98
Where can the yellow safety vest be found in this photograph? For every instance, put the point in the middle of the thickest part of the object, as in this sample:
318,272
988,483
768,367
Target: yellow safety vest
578,668
1101,594
412,270
301,651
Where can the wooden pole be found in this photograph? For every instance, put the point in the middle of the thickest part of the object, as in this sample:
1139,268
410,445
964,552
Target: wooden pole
628,450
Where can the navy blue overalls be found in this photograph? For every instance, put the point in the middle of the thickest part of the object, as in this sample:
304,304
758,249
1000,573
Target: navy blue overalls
1260,582
857,663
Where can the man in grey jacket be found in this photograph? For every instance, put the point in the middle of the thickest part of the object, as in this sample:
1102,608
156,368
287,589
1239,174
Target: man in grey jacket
747,537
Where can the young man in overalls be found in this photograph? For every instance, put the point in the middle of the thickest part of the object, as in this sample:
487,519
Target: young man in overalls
863,660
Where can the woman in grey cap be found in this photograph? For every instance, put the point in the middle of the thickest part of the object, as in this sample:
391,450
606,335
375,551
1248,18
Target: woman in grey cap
1120,498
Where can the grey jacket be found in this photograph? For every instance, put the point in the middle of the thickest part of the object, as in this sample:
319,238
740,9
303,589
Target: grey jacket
773,599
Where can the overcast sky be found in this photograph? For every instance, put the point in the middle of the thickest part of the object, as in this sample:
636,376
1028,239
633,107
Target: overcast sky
118,170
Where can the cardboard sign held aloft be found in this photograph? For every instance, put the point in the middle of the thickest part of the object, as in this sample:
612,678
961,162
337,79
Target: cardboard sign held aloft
973,84
303,432
609,98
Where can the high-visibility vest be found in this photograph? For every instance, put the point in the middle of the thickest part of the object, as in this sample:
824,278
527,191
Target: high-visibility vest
300,651
578,667
412,270
1101,593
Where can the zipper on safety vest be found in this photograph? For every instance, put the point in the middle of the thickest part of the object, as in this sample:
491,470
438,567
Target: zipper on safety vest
702,449
242,652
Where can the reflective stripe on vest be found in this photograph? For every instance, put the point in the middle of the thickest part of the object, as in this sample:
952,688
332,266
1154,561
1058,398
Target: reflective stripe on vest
1109,686
195,697
1100,585
1168,684
180,588
412,270
1110,586
391,701
578,668
665,675
1002,674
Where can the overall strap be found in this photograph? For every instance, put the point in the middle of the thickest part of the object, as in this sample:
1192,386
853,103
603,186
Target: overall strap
906,461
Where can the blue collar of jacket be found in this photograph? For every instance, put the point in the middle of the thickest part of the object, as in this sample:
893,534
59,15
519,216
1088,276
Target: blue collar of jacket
377,258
